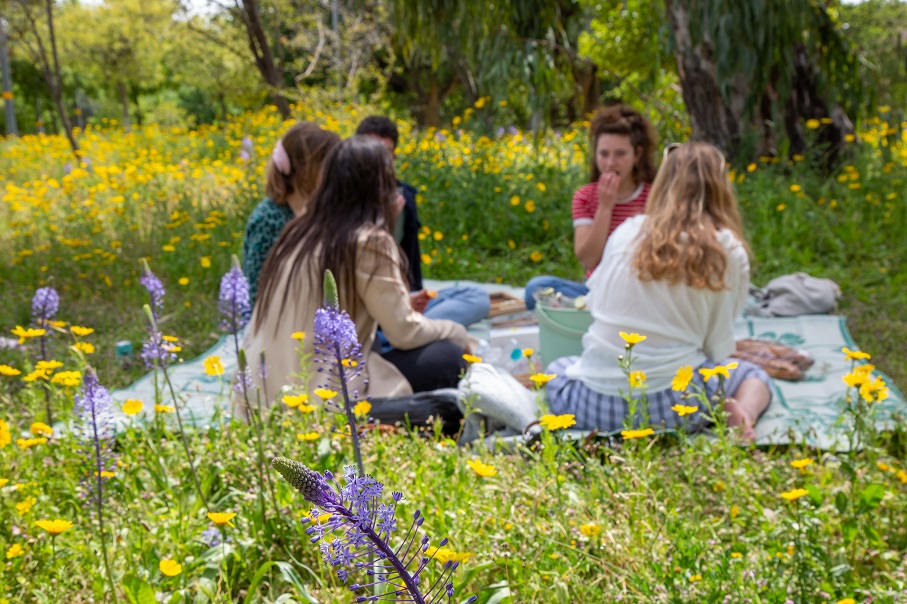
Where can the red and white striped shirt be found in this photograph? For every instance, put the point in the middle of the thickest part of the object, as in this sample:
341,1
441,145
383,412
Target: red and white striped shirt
585,204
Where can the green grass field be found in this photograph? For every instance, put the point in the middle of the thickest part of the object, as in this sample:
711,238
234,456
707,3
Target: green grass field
652,520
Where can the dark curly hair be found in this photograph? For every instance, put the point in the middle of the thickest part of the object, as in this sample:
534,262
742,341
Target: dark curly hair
623,119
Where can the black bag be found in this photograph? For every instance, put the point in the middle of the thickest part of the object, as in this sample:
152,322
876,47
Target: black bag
416,409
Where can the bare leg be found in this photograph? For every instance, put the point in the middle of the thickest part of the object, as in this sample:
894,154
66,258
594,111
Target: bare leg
747,404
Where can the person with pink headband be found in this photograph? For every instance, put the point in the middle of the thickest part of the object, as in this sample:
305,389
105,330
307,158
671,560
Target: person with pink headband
292,175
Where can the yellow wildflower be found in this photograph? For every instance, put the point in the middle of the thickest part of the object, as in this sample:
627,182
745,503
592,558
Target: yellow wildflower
183,281
325,394
632,339
631,434
445,555
682,378
471,358
795,188
171,568
213,365
221,518
683,410
25,443
25,334
37,374
54,527
812,124
482,469
637,379
24,506
86,347
528,352
855,355
362,408
536,256
14,551
349,363
557,422
801,463
132,406
67,378
81,331
303,408
47,366
164,409
541,379
298,335
41,429
205,261
9,371
294,400
722,370
590,529
795,494
308,436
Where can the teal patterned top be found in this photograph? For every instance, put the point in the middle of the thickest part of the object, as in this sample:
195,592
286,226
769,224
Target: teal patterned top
262,231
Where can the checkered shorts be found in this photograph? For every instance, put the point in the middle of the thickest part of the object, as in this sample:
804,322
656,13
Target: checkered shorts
606,412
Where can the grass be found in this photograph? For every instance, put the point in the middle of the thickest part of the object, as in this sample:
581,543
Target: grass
650,520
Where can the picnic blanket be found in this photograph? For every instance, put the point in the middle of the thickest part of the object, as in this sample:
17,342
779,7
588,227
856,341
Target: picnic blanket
808,411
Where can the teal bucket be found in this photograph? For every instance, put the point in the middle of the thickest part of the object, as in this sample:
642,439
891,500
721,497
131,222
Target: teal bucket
561,331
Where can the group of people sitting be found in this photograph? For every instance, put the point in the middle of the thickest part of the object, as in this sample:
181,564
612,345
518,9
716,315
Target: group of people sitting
663,248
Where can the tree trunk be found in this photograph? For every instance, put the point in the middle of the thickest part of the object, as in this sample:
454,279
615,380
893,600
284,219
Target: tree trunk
712,119
805,103
124,101
264,58
587,97
55,81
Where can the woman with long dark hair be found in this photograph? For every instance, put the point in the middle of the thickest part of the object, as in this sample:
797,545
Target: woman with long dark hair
349,231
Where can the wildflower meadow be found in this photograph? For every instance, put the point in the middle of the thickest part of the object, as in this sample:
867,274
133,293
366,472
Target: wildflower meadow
119,263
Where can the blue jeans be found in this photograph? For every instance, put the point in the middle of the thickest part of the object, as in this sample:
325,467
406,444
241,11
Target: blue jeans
571,289
464,304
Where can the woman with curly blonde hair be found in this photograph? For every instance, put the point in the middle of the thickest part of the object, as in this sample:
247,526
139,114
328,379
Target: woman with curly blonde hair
678,275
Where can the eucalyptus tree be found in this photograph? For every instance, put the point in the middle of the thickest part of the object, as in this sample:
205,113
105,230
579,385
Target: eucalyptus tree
485,48
753,72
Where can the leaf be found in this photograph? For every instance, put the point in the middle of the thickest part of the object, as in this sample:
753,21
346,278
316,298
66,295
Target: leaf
872,496
495,594
872,534
331,299
849,530
815,494
138,591
841,503
252,592
291,576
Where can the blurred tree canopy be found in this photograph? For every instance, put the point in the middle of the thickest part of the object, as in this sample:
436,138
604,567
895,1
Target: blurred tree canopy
743,74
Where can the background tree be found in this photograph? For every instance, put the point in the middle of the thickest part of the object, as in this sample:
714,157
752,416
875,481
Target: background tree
751,73
121,44
31,24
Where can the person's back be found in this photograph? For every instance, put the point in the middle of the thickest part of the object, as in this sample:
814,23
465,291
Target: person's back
348,231
678,277
683,324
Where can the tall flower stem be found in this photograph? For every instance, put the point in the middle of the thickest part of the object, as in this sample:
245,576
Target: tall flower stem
185,440
348,408
50,417
99,468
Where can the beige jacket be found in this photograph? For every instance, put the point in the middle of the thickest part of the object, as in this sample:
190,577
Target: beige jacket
383,299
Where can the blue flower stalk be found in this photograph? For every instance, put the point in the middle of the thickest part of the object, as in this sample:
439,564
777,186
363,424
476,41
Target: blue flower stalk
155,289
44,307
337,346
359,530
93,407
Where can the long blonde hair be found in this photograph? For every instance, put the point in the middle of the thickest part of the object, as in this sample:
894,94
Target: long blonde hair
690,201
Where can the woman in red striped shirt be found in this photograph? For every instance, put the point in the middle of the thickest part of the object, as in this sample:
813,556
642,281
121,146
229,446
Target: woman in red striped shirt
622,170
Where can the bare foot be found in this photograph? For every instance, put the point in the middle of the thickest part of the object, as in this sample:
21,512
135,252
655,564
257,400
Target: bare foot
737,416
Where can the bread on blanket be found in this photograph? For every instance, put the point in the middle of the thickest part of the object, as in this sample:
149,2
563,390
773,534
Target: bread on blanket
799,358
779,369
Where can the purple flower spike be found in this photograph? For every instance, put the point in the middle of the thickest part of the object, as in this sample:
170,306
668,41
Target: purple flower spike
233,300
155,288
44,305
359,529
93,407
